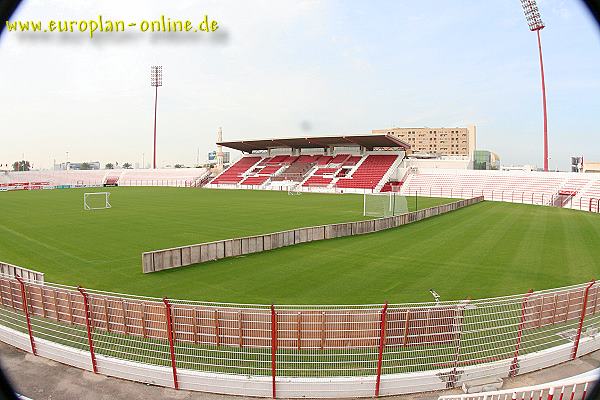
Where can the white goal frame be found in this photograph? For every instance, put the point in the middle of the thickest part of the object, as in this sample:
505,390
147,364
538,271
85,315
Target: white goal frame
294,190
106,195
391,204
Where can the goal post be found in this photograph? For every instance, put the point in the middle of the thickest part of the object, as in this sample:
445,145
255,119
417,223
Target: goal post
96,201
294,190
386,204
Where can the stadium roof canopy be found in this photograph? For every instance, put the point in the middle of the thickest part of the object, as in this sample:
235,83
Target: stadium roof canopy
367,141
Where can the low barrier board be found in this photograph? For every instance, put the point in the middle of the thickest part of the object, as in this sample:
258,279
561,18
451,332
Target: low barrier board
158,260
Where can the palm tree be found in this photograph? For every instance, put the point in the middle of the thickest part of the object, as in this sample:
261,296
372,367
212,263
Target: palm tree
21,165
127,165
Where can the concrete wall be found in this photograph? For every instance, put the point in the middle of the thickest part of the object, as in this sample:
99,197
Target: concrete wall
287,387
158,260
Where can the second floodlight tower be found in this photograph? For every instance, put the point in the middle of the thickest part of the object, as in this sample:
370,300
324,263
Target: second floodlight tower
156,81
534,20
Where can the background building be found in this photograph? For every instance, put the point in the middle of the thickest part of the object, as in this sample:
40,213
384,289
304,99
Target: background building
78,166
580,164
576,164
436,141
213,157
591,167
485,159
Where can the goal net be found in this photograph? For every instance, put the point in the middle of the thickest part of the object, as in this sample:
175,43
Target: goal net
294,190
384,204
96,201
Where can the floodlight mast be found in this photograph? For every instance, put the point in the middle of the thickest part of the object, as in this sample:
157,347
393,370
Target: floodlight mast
156,81
534,20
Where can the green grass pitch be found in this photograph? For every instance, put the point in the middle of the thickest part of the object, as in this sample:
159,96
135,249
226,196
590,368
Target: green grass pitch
489,249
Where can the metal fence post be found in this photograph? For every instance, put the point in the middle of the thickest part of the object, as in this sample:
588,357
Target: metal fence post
458,327
581,319
273,349
89,328
514,364
26,311
585,389
169,321
382,328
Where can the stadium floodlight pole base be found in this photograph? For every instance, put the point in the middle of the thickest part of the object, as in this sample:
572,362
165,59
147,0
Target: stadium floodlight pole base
87,206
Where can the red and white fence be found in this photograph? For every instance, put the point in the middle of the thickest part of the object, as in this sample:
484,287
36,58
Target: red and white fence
568,389
30,180
300,351
510,196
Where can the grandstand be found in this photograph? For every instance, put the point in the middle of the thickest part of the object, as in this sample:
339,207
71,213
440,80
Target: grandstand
336,163
561,189
353,164
378,169
181,177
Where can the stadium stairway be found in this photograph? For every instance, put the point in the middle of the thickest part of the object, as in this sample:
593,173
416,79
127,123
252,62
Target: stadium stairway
201,180
497,186
588,192
327,172
235,173
566,189
370,173
297,171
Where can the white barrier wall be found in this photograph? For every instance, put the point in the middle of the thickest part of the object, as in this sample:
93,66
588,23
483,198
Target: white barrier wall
261,386
158,260
27,274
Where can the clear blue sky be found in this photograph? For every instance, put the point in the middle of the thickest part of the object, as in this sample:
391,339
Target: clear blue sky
288,68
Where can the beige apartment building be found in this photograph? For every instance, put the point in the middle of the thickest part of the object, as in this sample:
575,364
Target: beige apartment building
593,167
437,141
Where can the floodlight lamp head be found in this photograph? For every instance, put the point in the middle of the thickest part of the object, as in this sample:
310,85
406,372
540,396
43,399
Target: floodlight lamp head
156,75
532,15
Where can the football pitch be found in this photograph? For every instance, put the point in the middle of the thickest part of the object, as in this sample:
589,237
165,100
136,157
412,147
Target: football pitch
489,249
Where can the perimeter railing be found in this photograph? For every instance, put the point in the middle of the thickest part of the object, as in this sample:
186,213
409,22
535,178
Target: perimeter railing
575,202
299,351
88,183
567,389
